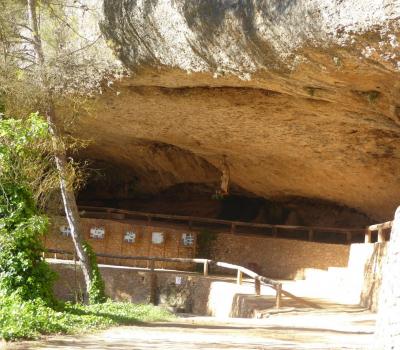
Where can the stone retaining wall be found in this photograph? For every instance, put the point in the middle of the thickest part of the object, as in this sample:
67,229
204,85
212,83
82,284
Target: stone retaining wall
278,258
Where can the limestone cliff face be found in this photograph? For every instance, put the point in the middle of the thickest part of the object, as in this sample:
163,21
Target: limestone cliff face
301,96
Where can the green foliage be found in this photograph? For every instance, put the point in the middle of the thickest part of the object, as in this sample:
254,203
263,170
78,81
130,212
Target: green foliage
21,319
96,292
25,156
22,268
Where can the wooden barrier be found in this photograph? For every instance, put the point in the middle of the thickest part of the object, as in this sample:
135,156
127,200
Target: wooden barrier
258,279
235,227
381,229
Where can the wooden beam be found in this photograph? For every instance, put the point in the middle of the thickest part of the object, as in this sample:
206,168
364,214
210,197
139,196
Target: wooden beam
301,300
385,225
348,237
241,270
214,221
239,278
368,236
278,298
381,235
205,268
257,286
153,284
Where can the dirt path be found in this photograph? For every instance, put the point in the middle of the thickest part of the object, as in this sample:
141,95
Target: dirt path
316,330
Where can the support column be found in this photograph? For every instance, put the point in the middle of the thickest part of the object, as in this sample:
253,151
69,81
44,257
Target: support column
257,286
153,284
239,278
368,236
381,235
205,269
278,298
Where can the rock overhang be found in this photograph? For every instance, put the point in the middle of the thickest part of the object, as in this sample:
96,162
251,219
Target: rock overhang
300,96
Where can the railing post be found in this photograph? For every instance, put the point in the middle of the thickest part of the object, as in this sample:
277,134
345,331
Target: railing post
311,235
205,268
348,237
153,284
239,278
109,213
278,299
233,228
75,278
381,236
257,286
368,236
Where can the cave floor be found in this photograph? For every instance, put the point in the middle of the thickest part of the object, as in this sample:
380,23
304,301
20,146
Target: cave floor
319,329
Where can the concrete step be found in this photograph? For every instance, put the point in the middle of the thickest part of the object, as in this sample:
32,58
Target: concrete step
333,275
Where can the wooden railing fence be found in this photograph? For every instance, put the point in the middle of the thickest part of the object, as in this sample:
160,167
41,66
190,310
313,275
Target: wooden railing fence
258,279
235,227
383,232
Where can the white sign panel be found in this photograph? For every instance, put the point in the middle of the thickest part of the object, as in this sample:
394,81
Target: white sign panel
65,231
187,239
130,237
157,238
97,232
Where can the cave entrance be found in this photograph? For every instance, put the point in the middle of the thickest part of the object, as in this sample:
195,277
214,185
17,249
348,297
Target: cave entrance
199,200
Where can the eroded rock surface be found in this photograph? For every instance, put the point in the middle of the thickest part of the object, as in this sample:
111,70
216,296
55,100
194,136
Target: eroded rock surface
302,97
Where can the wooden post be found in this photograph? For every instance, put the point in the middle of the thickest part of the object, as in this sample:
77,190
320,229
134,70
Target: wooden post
367,236
311,235
233,228
381,235
75,279
278,298
109,213
239,278
205,268
153,284
257,286
348,237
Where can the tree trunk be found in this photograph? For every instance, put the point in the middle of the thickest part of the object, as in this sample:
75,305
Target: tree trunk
387,335
68,196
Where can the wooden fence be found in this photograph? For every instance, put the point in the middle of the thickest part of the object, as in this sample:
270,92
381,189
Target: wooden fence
258,279
382,230
235,227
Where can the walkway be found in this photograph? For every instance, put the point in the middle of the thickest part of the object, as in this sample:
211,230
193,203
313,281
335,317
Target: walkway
342,329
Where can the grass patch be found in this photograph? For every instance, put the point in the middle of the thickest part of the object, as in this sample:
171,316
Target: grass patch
21,319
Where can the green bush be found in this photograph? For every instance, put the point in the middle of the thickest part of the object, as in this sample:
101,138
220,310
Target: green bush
96,292
28,319
22,268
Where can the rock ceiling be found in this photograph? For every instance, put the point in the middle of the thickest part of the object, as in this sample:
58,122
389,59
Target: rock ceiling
303,98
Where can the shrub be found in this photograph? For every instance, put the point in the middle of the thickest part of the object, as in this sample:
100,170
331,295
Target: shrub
28,319
22,268
96,292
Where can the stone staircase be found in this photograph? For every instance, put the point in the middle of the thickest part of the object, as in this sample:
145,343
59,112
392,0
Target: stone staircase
330,289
